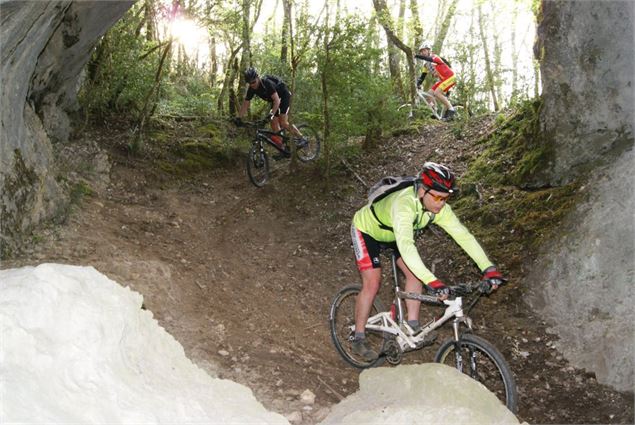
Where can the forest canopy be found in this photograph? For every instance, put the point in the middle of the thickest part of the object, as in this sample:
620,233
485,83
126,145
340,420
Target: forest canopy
349,66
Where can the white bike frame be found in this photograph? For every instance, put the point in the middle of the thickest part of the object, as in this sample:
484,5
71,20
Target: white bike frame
422,96
404,334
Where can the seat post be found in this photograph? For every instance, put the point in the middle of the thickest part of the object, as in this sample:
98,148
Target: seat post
395,277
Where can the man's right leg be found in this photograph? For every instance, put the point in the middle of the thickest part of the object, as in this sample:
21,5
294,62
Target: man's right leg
364,302
367,260
275,126
371,279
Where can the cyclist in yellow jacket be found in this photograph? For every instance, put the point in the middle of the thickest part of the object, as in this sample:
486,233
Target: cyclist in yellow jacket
391,223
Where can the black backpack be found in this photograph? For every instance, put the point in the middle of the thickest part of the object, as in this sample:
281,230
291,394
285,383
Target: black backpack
275,80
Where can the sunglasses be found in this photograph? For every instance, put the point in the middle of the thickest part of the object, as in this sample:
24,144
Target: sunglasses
253,82
438,198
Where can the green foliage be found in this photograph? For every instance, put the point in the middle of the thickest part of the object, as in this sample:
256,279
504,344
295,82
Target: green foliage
79,191
494,205
510,221
360,101
121,72
188,95
513,152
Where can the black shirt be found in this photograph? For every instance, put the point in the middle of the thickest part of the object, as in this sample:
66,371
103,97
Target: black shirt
266,89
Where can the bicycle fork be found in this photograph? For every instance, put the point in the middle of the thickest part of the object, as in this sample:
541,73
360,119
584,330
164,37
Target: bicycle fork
458,353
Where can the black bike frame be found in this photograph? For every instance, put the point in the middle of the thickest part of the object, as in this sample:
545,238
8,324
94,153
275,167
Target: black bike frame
265,135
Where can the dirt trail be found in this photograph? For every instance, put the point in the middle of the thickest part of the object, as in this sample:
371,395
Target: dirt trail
243,277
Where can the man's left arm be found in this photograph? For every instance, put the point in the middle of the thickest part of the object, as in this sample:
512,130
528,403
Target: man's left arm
425,58
449,222
276,103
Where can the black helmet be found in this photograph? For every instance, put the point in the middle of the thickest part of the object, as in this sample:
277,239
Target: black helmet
437,177
250,74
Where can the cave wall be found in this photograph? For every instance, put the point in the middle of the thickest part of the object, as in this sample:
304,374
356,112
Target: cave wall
583,283
45,45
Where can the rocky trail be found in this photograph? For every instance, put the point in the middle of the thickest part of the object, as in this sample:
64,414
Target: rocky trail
243,277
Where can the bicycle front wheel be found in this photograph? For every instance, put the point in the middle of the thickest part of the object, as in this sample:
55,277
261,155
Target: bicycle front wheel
258,165
342,324
481,361
308,146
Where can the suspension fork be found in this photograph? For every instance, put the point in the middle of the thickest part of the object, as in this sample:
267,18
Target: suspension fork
458,354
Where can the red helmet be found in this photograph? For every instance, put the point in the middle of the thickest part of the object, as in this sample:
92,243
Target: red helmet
437,177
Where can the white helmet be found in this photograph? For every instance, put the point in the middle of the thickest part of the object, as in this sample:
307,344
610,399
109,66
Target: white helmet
425,45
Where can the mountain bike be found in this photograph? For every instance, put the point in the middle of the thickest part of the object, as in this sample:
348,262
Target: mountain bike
424,99
307,148
388,333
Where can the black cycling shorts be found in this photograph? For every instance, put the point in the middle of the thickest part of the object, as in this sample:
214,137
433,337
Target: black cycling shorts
285,103
367,249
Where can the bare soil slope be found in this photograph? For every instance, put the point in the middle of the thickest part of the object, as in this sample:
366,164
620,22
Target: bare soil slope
243,277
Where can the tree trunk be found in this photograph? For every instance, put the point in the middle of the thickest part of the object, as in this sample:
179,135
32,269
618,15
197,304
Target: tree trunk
213,59
383,15
150,16
445,26
401,22
536,78
488,67
228,81
395,69
245,58
234,105
144,115
305,35
417,30
286,35
374,37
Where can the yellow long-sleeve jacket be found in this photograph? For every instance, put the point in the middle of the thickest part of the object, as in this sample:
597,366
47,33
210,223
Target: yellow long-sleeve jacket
403,212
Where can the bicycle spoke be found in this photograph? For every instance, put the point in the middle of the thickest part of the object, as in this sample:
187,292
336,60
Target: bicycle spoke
479,360
342,321
308,147
257,166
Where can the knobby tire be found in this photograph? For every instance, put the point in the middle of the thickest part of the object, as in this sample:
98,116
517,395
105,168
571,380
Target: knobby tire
491,368
258,165
312,149
342,317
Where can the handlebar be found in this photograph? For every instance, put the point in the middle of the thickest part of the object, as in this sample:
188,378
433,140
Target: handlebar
483,286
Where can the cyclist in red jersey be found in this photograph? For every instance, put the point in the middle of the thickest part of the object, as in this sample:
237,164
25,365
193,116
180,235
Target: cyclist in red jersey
445,75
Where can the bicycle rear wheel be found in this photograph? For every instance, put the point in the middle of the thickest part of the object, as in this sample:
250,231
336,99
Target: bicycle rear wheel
481,361
342,321
308,147
258,165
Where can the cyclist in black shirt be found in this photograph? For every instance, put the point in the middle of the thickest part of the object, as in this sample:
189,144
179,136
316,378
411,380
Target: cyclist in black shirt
275,91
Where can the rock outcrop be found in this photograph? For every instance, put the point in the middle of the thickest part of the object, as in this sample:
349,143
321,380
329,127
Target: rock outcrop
45,45
583,284
585,49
